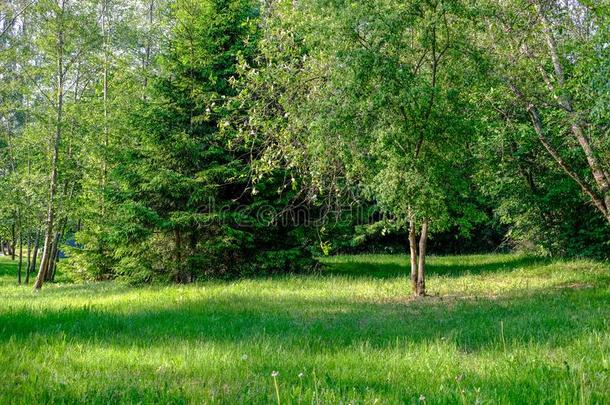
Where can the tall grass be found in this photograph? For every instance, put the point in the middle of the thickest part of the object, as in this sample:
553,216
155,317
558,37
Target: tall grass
496,329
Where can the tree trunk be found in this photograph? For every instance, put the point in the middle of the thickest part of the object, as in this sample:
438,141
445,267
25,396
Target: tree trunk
35,253
55,252
20,266
421,268
148,51
51,265
418,257
58,238
9,250
413,249
13,241
28,262
105,31
182,275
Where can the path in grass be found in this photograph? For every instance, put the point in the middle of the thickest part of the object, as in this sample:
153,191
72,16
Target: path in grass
497,329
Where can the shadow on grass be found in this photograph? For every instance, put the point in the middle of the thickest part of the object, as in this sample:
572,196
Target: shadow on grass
485,266
387,267
296,332
8,271
550,317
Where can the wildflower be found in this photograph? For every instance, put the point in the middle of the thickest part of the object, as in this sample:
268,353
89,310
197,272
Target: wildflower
301,375
244,357
422,398
274,374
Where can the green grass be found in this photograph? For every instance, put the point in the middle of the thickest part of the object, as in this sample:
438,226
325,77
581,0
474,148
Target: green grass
496,329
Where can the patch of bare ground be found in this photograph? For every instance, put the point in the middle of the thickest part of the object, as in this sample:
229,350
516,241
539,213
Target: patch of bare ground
446,299
574,286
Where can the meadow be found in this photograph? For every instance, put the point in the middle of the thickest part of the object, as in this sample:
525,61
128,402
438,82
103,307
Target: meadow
495,329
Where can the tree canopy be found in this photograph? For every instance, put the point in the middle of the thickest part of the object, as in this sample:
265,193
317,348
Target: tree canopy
179,139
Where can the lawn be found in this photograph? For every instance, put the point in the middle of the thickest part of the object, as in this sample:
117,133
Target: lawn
496,329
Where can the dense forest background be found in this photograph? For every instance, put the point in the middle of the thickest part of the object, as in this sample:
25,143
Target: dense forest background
177,140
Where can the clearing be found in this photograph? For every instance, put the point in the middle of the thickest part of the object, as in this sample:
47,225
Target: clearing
496,329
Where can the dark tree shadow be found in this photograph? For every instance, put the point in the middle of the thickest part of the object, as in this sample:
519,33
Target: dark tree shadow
8,269
487,266
398,266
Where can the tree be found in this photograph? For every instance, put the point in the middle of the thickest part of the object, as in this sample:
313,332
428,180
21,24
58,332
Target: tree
20,196
115,73
182,205
63,40
377,92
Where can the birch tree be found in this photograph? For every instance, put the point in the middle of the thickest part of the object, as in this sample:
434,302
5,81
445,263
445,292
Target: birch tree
553,57
64,40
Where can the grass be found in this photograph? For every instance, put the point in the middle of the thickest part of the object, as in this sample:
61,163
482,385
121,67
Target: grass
496,329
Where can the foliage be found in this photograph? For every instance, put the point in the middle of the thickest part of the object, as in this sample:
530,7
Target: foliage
182,203
543,181
180,139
